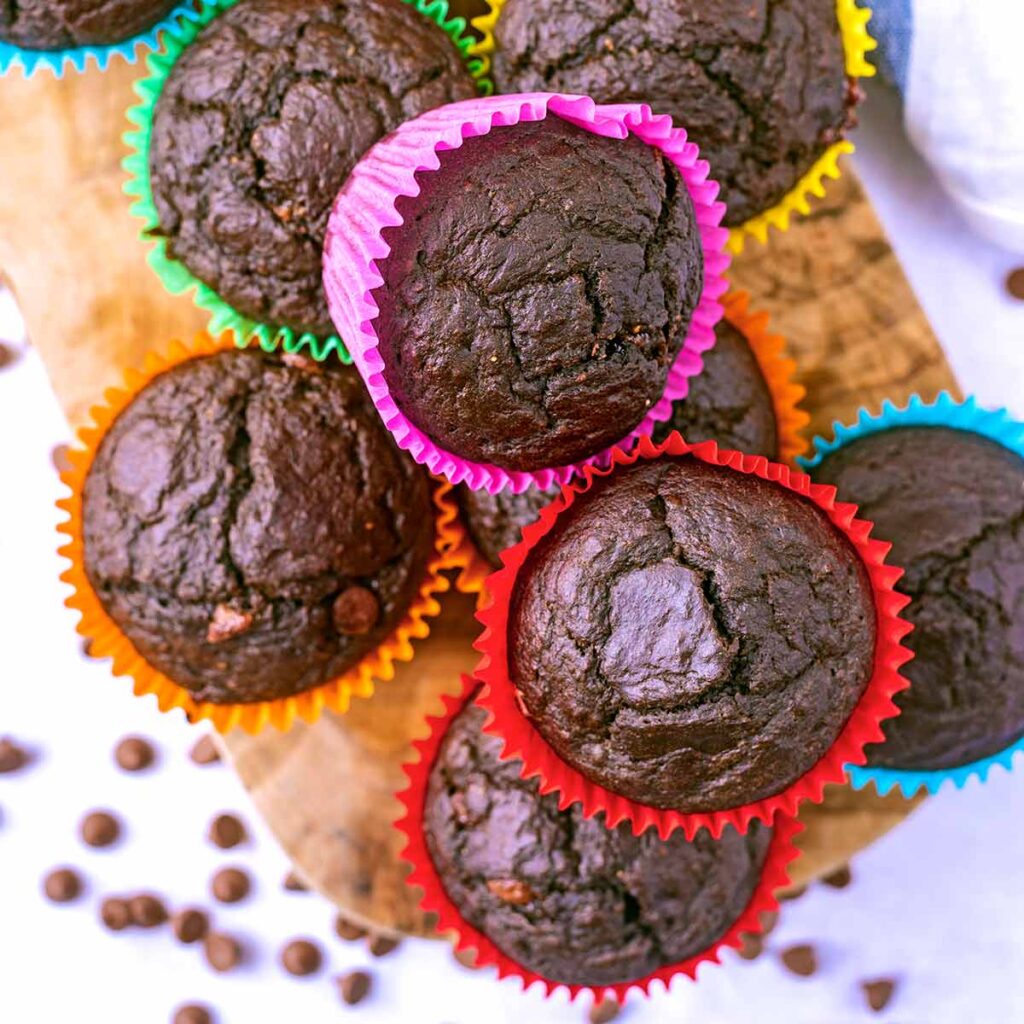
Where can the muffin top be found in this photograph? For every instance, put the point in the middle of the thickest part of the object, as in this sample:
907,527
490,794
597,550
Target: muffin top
567,898
252,528
495,521
952,505
729,401
68,24
259,124
537,293
759,85
691,637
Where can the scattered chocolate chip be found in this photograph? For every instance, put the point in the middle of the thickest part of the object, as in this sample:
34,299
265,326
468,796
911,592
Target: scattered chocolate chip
13,756
355,611
769,919
751,946
86,647
348,930
297,361
878,993
840,878
134,754
226,623
1015,283
190,925
227,831
792,894
223,952
354,987
147,910
115,914
59,458
8,354
292,883
801,960
100,829
381,945
301,957
63,885
604,1011
466,958
192,1013
204,751
509,890
230,885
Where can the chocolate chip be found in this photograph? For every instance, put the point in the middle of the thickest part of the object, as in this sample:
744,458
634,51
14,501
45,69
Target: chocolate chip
226,623
190,925
230,885
100,829
840,878
878,993
769,919
604,1011
801,960
1015,283
297,361
348,930
227,832
134,754
792,894
292,883
8,355
114,913
223,952
355,611
301,957
13,756
354,987
381,945
192,1013
204,751
510,890
466,958
147,910
63,885
751,946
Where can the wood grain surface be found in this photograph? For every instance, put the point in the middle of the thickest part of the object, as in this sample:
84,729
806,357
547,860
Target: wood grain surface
70,250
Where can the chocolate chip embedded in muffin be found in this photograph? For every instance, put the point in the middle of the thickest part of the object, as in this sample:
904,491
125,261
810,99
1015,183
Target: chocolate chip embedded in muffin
259,124
759,85
591,905
226,511
729,401
707,658
495,521
68,24
952,505
527,318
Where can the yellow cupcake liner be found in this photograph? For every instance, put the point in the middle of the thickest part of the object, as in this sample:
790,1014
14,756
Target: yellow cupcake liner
857,43
106,640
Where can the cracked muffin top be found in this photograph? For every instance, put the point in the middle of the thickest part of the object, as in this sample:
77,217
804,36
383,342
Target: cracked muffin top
759,85
259,124
251,527
68,24
952,505
567,898
537,293
691,637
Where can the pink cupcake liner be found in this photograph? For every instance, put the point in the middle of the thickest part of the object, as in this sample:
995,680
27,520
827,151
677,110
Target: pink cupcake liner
366,206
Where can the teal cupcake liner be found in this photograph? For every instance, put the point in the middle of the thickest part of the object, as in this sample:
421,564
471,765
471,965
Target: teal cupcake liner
174,275
77,59
996,425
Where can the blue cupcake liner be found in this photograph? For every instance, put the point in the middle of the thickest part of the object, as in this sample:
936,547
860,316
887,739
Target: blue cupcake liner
58,62
997,425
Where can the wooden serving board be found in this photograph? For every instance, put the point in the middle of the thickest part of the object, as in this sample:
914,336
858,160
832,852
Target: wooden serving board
70,250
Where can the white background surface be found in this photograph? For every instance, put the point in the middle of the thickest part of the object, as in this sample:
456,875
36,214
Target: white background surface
936,904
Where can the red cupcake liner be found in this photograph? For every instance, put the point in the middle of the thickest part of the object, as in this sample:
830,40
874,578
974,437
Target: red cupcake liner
774,876
523,742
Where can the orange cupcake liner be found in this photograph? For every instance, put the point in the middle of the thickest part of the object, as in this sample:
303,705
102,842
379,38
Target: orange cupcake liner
522,741
774,876
106,640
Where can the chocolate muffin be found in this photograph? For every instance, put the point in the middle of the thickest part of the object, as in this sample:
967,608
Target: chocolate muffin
528,318
495,521
729,401
252,528
570,899
691,637
259,124
68,24
952,504
759,85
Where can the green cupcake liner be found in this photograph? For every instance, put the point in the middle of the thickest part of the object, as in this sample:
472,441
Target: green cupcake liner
174,275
